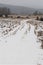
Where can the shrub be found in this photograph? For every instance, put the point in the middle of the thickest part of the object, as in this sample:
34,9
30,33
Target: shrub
41,19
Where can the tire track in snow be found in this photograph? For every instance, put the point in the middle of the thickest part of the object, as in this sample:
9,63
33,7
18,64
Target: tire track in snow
21,50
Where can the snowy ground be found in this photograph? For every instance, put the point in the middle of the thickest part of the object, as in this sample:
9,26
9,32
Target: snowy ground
20,46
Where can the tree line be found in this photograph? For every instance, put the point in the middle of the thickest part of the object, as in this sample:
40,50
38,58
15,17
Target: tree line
37,13
4,11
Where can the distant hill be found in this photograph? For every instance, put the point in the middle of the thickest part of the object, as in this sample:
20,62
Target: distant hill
40,10
19,9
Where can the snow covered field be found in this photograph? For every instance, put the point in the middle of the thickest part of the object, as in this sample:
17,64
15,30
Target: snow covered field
18,44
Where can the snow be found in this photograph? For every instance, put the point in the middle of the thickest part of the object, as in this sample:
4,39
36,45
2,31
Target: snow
21,47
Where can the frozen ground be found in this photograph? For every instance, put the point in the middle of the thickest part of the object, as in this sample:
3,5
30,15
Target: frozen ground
19,45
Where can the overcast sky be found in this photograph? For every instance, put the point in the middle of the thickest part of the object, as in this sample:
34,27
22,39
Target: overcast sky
29,3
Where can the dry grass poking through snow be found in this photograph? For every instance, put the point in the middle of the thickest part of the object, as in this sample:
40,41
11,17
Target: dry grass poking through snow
8,25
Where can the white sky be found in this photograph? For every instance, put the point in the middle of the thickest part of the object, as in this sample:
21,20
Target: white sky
29,3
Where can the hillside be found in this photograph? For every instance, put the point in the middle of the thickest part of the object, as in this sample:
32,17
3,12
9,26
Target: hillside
19,9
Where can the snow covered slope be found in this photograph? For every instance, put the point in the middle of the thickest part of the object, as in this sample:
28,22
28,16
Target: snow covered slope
21,47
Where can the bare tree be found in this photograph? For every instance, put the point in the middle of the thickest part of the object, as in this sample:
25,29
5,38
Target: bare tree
4,11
